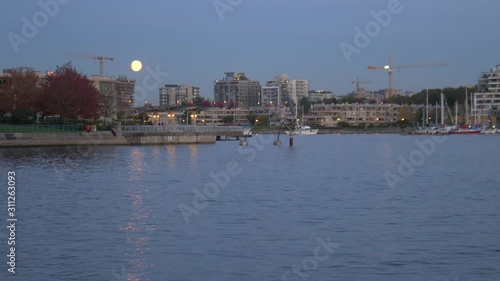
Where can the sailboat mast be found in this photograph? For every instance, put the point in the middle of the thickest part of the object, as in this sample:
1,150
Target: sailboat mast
466,107
442,109
436,122
427,107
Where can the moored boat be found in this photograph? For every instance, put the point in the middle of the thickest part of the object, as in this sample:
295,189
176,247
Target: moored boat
465,130
303,131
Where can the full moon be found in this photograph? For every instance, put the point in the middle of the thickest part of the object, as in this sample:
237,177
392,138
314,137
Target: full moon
136,65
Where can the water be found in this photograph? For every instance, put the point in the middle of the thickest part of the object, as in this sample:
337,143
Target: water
324,207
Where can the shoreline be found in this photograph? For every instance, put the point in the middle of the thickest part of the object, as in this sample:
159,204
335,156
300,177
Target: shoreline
105,138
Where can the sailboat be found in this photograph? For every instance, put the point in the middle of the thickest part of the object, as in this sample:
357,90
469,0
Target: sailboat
464,129
302,130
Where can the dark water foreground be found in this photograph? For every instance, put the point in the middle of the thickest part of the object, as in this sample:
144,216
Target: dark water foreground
370,207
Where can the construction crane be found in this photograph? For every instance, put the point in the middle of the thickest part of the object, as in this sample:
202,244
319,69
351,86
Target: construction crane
99,58
357,82
391,67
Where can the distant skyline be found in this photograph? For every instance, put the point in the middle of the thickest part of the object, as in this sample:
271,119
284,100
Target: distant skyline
196,42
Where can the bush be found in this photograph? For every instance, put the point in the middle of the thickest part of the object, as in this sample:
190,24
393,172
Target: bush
342,124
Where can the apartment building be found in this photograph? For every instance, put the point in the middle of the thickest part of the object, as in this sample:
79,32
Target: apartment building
486,103
172,95
117,95
236,88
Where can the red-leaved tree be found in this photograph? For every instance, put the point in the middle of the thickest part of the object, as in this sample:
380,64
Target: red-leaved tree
70,94
19,90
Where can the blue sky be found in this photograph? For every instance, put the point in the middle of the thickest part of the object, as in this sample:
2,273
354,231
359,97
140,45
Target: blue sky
195,44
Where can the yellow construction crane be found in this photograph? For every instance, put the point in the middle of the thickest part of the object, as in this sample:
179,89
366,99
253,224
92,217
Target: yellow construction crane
99,58
390,68
357,82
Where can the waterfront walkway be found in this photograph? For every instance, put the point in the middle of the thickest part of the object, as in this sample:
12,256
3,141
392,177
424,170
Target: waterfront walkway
22,136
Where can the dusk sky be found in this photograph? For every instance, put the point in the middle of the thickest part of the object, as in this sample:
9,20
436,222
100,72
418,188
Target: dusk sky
196,43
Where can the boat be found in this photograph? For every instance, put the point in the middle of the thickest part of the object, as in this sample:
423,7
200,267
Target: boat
488,130
303,131
465,130
247,132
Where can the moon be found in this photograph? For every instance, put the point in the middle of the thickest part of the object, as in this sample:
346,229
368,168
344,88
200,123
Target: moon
136,65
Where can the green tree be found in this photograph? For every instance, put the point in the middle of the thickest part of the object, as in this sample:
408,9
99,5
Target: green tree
263,119
251,118
305,103
329,100
228,119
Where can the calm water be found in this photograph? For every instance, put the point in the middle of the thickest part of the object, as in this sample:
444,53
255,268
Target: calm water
322,210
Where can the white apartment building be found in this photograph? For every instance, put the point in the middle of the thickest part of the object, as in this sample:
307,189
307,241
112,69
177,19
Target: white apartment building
292,90
486,103
172,95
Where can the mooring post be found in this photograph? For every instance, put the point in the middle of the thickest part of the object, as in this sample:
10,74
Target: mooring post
291,139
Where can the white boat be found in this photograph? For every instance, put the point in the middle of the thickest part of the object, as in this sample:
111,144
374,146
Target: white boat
303,131
300,129
247,132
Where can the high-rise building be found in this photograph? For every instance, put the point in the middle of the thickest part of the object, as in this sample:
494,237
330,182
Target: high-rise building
235,87
292,90
181,95
117,95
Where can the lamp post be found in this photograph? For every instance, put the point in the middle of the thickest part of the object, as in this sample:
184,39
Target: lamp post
193,119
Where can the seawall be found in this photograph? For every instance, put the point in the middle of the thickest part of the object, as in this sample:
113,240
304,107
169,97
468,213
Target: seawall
100,138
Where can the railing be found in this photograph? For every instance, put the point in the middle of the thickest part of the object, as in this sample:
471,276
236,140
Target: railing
39,128
180,129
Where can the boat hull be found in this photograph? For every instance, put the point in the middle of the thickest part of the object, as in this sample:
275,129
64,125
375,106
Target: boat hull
465,132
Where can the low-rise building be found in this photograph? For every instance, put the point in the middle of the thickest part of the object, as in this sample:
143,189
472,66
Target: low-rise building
317,96
330,116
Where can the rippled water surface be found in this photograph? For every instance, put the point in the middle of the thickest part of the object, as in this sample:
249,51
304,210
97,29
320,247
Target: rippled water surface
330,208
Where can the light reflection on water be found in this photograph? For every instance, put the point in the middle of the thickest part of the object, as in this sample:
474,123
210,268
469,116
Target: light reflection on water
171,156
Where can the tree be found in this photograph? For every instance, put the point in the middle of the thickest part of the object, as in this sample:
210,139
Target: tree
70,94
198,101
304,101
251,118
228,119
232,104
350,99
399,99
107,99
263,119
219,104
206,103
329,100
20,89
